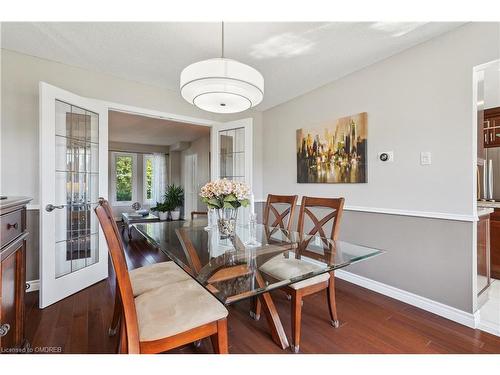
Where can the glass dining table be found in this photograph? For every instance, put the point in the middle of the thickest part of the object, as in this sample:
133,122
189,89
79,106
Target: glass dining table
234,269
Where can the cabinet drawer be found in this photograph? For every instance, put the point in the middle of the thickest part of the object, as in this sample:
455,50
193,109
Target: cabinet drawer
11,226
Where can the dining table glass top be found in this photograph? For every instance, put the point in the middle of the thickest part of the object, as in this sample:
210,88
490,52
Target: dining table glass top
257,259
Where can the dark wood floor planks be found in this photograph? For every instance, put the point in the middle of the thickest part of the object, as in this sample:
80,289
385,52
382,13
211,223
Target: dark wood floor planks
370,322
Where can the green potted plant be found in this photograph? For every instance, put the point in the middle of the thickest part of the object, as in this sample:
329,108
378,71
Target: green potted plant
174,198
162,210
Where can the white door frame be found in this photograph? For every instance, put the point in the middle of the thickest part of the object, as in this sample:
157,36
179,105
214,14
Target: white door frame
476,76
52,289
190,163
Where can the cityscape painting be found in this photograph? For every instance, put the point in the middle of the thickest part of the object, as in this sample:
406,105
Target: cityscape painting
335,153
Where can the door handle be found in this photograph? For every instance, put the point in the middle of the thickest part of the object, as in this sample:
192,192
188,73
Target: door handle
4,329
51,207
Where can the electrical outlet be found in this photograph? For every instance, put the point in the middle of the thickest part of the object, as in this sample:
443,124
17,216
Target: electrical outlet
386,156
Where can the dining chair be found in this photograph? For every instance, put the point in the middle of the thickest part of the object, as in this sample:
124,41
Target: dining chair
198,213
278,214
164,318
282,208
144,278
283,268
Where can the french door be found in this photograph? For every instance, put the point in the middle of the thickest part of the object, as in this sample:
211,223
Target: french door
73,175
232,154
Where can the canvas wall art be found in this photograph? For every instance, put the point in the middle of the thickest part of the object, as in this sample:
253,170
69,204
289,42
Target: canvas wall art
334,153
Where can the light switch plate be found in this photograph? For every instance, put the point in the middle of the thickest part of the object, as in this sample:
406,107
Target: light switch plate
425,158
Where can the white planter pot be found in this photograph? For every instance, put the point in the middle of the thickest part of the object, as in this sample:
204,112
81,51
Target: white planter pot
163,215
175,214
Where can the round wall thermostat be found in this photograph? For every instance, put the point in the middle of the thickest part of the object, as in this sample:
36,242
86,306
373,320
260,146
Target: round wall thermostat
384,156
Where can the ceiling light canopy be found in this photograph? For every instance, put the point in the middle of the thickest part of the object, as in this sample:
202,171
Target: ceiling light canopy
222,85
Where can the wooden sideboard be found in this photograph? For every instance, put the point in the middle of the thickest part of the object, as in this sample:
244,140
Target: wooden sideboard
13,237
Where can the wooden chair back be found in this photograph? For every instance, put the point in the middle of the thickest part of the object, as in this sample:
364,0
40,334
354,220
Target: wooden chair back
284,219
334,208
117,253
109,211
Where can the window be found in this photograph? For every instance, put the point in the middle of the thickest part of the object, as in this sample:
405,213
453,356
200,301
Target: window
148,178
123,180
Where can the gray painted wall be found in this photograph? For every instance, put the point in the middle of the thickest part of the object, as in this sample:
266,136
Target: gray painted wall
418,100
427,257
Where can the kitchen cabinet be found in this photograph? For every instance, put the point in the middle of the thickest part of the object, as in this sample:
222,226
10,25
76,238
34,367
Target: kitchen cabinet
483,253
13,237
495,244
491,127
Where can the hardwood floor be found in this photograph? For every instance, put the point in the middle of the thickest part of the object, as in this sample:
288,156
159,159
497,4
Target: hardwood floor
370,322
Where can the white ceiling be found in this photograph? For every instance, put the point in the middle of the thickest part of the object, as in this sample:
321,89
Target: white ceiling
130,128
294,57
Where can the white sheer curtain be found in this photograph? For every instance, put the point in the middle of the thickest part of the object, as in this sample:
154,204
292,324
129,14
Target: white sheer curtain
159,177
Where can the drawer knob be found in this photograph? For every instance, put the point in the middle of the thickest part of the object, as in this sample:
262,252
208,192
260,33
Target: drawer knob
4,329
15,226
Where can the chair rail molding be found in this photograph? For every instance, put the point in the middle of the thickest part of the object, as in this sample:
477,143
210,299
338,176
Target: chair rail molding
395,211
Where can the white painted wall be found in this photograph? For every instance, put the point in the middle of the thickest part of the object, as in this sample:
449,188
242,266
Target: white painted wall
418,100
19,129
200,147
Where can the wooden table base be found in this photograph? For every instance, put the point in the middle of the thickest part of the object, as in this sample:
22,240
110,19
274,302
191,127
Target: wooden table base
273,319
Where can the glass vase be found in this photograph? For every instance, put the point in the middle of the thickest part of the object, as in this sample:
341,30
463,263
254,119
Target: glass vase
226,222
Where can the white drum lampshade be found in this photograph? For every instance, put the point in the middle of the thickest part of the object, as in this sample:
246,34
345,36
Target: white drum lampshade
222,85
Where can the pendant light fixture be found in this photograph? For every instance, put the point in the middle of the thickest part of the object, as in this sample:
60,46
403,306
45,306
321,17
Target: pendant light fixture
222,85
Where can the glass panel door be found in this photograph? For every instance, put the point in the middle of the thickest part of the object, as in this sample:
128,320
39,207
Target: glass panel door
77,186
73,175
232,155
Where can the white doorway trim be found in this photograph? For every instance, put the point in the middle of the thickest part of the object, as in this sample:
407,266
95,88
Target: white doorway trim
157,114
215,126
190,184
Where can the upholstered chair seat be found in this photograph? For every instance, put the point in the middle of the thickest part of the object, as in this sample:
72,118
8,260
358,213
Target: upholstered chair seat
176,308
154,276
281,268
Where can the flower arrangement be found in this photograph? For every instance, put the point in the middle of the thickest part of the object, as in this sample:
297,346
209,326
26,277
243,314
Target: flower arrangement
225,194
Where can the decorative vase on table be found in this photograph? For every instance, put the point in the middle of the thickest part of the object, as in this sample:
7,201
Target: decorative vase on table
225,197
226,222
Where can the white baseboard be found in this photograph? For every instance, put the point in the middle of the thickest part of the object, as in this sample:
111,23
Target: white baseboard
489,327
33,285
438,308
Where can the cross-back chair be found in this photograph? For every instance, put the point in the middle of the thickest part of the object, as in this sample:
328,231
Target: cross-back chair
164,318
284,219
280,267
